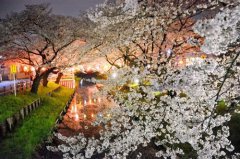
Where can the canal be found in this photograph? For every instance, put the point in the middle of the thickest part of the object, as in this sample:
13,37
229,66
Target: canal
84,109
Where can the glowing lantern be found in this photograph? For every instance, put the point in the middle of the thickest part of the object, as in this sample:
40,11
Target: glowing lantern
25,69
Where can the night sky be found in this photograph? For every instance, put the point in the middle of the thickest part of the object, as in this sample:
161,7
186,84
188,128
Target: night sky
62,7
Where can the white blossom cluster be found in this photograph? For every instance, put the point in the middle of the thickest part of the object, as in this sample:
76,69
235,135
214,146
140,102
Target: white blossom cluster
105,15
141,117
168,107
131,5
220,32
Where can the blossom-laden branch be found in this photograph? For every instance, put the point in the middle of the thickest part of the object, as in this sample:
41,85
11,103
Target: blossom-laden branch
160,105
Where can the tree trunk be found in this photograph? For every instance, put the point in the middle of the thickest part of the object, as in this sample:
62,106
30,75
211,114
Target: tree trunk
38,78
36,82
60,74
45,78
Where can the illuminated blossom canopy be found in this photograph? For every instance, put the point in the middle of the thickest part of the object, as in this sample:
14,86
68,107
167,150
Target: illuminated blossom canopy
221,31
169,110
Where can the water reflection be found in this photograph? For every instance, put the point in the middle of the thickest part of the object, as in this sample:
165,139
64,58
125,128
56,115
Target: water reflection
83,111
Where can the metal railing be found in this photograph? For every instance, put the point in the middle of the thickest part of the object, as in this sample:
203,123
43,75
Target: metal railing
21,86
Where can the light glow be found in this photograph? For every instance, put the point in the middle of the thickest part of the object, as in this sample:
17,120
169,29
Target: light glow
26,69
32,69
76,117
180,62
114,75
90,101
136,81
43,69
99,100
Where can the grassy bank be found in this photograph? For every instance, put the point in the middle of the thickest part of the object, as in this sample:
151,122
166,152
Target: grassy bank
44,90
35,128
10,104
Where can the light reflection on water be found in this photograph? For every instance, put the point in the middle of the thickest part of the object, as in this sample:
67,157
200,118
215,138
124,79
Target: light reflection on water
83,111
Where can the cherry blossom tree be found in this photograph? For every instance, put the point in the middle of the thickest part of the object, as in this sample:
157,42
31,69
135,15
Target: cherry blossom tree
36,37
167,112
153,31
